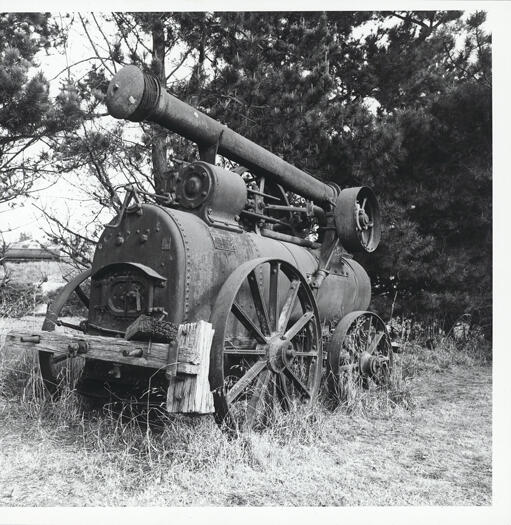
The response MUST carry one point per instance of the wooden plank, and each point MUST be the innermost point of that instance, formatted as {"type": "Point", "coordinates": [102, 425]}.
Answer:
{"type": "Point", "coordinates": [188, 391]}
{"type": "Point", "coordinates": [112, 349]}
{"type": "Point", "coordinates": [191, 394]}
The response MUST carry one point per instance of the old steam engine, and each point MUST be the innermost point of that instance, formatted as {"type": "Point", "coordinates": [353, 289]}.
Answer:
{"type": "Point", "coordinates": [262, 253]}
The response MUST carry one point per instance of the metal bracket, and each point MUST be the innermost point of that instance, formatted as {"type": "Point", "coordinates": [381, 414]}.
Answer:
{"type": "Point", "coordinates": [131, 193]}
{"type": "Point", "coordinates": [31, 339]}
{"type": "Point", "coordinates": [323, 265]}
{"type": "Point", "coordinates": [208, 153]}
{"type": "Point", "coordinates": [78, 348]}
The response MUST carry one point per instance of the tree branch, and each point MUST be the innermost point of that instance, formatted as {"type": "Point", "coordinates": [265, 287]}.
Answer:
{"type": "Point", "coordinates": [93, 45]}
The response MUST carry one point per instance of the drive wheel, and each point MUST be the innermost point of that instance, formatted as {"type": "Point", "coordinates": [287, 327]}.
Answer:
{"type": "Point", "coordinates": [267, 352]}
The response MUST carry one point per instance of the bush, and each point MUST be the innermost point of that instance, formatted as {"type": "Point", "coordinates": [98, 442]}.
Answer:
{"type": "Point", "coordinates": [17, 300]}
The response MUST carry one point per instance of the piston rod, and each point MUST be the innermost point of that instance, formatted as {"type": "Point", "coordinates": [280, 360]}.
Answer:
{"type": "Point", "coordinates": [136, 96]}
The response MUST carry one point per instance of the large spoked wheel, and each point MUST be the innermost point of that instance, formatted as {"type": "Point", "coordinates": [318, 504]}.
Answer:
{"type": "Point", "coordinates": [63, 371]}
{"type": "Point", "coordinates": [267, 352]}
{"type": "Point", "coordinates": [359, 352]}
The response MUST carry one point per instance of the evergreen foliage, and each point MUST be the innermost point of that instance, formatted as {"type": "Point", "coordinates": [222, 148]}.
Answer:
{"type": "Point", "coordinates": [302, 85]}
{"type": "Point", "coordinates": [400, 101]}
{"type": "Point", "coordinates": [28, 116]}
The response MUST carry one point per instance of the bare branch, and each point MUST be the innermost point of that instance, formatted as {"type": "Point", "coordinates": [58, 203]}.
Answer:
{"type": "Point", "coordinates": [93, 45]}
{"type": "Point", "coordinates": [101, 59]}
{"type": "Point", "coordinates": [63, 226]}
{"type": "Point", "coordinates": [105, 39]}
{"type": "Point", "coordinates": [181, 62]}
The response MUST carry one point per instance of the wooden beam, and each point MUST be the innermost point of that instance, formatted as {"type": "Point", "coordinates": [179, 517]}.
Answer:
{"type": "Point", "coordinates": [112, 349]}
{"type": "Point", "coordinates": [186, 360]}
{"type": "Point", "coordinates": [191, 394]}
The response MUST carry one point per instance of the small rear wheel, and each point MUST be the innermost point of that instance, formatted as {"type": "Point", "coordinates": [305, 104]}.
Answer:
{"type": "Point", "coordinates": [359, 353]}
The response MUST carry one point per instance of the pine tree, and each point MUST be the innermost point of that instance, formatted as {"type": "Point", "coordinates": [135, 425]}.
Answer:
{"type": "Point", "coordinates": [27, 114]}
{"type": "Point", "coordinates": [304, 87]}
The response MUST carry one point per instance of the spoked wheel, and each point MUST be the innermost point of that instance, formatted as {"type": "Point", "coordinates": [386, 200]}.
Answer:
{"type": "Point", "coordinates": [359, 351]}
{"type": "Point", "coordinates": [62, 370]}
{"type": "Point", "coordinates": [267, 352]}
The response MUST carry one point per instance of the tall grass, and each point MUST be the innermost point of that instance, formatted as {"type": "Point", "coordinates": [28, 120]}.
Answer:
{"type": "Point", "coordinates": [154, 444]}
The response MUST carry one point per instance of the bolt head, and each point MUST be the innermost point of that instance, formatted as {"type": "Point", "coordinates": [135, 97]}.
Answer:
{"type": "Point", "coordinates": [290, 352]}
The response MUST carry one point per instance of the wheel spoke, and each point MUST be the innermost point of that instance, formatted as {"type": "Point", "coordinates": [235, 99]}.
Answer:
{"type": "Point", "coordinates": [306, 317]}
{"type": "Point", "coordinates": [235, 350]}
{"type": "Point", "coordinates": [257, 404]}
{"type": "Point", "coordinates": [273, 393]}
{"type": "Point", "coordinates": [289, 304]}
{"type": "Point", "coordinates": [245, 320]}
{"type": "Point", "coordinates": [283, 391]}
{"type": "Point", "coordinates": [369, 332]}
{"type": "Point", "coordinates": [297, 382]}
{"type": "Point", "coordinates": [245, 380]}
{"type": "Point", "coordinates": [81, 295]}
{"type": "Point", "coordinates": [375, 342]}
{"type": "Point", "coordinates": [273, 298]}
{"type": "Point", "coordinates": [259, 304]}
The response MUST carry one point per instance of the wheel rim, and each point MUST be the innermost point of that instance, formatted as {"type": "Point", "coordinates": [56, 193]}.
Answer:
{"type": "Point", "coordinates": [266, 351]}
{"type": "Point", "coordinates": [359, 351]}
{"type": "Point", "coordinates": [57, 372]}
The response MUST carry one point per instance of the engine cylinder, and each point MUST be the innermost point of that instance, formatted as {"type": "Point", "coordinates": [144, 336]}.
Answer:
{"type": "Point", "coordinates": [217, 195]}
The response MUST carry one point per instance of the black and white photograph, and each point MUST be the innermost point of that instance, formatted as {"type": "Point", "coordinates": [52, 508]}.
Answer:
{"type": "Point", "coordinates": [246, 258]}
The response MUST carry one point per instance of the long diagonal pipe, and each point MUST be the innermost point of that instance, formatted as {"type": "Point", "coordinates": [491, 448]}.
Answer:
{"type": "Point", "coordinates": [137, 96]}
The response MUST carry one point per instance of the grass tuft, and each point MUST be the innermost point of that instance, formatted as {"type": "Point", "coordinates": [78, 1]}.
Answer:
{"type": "Point", "coordinates": [399, 445]}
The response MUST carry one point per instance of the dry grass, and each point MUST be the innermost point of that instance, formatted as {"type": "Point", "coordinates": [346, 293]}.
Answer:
{"type": "Point", "coordinates": [426, 441]}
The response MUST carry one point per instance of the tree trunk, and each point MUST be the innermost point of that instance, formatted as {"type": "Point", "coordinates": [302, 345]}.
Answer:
{"type": "Point", "coordinates": [159, 142]}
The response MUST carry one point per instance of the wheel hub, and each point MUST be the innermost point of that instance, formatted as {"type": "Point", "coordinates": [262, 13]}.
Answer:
{"type": "Point", "coordinates": [371, 365]}
{"type": "Point", "coordinates": [280, 353]}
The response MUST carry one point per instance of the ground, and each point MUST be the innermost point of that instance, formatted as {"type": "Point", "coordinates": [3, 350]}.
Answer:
{"type": "Point", "coordinates": [429, 445]}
